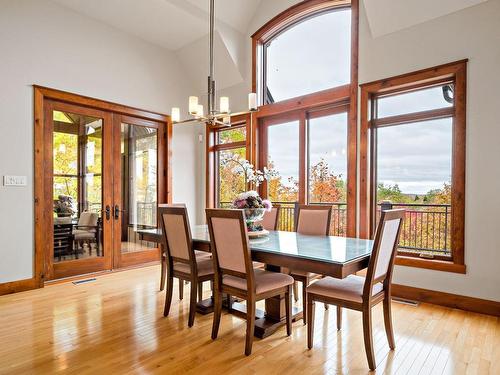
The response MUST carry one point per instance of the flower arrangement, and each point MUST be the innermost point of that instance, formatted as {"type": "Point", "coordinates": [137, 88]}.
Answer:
{"type": "Point", "coordinates": [252, 175]}
{"type": "Point", "coordinates": [63, 206]}
{"type": "Point", "coordinates": [255, 208]}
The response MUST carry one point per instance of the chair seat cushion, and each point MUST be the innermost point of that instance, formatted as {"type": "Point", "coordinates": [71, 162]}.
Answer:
{"type": "Point", "coordinates": [81, 234]}
{"type": "Point", "coordinates": [204, 264]}
{"type": "Point", "coordinates": [264, 281]}
{"type": "Point", "coordinates": [349, 289]}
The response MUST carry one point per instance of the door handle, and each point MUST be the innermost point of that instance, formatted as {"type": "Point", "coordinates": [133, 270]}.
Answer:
{"type": "Point", "coordinates": [108, 212]}
{"type": "Point", "coordinates": [117, 212]}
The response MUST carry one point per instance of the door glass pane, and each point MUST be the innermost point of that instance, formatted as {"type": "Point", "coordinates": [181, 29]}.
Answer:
{"type": "Point", "coordinates": [230, 179]}
{"type": "Point", "coordinates": [139, 176]}
{"type": "Point", "coordinates": [328, 166]}
{"type": "Point", "coordinates": [414, 172]}
{"type": "Point", "coordinates": [77, 188]}
{"type": "Point", "coordinates": [416, 101]}
{"type": "Point", "coordinates": [310, 56]}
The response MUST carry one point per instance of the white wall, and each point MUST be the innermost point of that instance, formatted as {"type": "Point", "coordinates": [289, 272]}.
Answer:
{"type": "Point", "coordinates": [43, 43]}
{"type": "Point", "coordinates": [472, 33]}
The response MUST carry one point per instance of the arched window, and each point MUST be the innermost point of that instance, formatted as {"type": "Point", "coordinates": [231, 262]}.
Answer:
{"type": "Point", "coordinates": [309, 56]}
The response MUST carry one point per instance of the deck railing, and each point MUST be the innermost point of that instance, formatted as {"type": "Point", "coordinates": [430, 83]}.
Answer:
{"type": "Point", "coordinates": [426, 228]}
{"type": "Point", "coordinates": [287, 217]}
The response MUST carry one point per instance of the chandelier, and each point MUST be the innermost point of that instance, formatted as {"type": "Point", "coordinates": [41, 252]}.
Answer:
{"type": "Point", "coordinates": [213, 117]}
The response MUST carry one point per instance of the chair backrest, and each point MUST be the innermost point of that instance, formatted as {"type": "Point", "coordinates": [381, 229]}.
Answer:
{"type": "Point", "coordinates": [384, 249]}
{"type": "Point", "coordinates": [177, 232]}
{"type": "Point", "coordinates": [313, 220]}
{"type": "Point", "coordinates": [88, 219]}
{"type": "Point", "coordinates": [229, 244]}
{"type": "Point", "coordinates": [271, 218]}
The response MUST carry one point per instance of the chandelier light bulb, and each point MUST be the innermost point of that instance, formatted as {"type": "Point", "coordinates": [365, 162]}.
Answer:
{"type": "Point", "coordinates": [199, 111]}
{"type": "Point", "coordinates": [176, 114]}
{"type": "Point", "coordinates": [224, 104]}
{"type": "Point", "coordinates": [193, 104]}
{"type": "Point", "coordinates": [252, 101]}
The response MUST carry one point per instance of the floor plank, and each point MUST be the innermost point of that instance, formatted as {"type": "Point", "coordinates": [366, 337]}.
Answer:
{"type": "Point", "coordinates": [115, 326]}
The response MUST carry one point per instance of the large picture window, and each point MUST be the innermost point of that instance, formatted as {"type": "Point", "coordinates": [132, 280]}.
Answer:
{"type": "Point", "coordinates": [414, 138]}
{"type": "Point", "coordinates": [305, 74]}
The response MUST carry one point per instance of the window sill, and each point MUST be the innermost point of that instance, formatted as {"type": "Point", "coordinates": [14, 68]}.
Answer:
{"type": "Point", "coordinates": [431, 264]}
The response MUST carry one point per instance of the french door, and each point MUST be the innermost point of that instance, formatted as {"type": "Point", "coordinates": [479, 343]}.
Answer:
{"type": "Point", "coordinates": [104, 182]}
{"type": "Point", "coordinates": [137, 160]}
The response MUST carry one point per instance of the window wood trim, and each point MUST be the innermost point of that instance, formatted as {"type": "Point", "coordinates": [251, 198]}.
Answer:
{"type": "Point", "coordinates": [211, 149]}
{"type": "Point", "coordinates": [453, 72]}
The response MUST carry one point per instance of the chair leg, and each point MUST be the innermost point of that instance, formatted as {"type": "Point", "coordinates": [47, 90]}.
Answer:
{"type": "Point", "coordinates": [192, 303]}
{"type": "Point", "coordinates": [181, 289]}
{"type": "Point", "coordinates": [310, 326]}
{"type": "Point", "coordinates": [200, 291]}
{"type": "Point", "coordinates": [339, 318]}
{"type": "Point", "coordinates": [295, 291]}
{"type": "Point", "coordinates": [168, 297]}
{"type": "Point", "coordinates": [304, 302]}
{"type": "Point", "coordinates": [217, 313]}
{"type": "Point", "coordinates": [250, 326]}
{"type": "Point", "coordinates": [163, 272]}
{"type": "Point", "coordinates": [388, 322]}
{"type": "Point", "coordinates": [288, 307]}
{"type": "Point", "coordinates": [367, 334]}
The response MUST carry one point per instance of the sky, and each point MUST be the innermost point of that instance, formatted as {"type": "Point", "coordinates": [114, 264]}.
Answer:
{"type": "Point", "coordinates": [315, 55]}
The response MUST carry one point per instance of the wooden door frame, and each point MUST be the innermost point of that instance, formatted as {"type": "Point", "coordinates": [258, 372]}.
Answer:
{"type": "Point", "coordinates": [43, 161]}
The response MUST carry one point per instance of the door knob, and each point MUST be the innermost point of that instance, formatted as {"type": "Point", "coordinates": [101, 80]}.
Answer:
{"type": "Point", "coordinates": [117, 212]}
{"type": "Point", "coordinates": [108, 212]}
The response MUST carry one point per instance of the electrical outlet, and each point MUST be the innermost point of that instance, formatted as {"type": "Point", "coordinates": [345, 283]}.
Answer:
{"type": "Point", "coordinates": [14, 180]}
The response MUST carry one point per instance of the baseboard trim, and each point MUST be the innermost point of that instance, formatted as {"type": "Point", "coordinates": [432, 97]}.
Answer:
{"type": "Point", "coordinates": [18, 286]}
{"type": "Point", "coordinates": [455, 301]}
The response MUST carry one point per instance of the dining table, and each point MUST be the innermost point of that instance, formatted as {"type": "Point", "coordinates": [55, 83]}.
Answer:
{"type": "Point", "coordinates": [332, 256]}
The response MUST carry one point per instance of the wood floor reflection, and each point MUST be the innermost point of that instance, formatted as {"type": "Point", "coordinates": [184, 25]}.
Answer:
{"type": "Point", "coordinates": [115, 326]}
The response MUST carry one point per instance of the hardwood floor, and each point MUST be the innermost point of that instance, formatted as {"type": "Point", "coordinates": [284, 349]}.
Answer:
{"type": "Point", "coordinates": [115, 326]}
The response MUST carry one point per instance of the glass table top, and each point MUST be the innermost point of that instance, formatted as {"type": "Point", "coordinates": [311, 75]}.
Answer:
{"type": "Point", "coordinates": [324, 248]}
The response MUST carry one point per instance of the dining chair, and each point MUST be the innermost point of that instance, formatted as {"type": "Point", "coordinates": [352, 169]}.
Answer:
{"type": "Point", "coordinates": [269, 222]}
{"type": "Point", "coordinates": [87, 231]}
{"type": "Point", "coordinates": [235, 274]}
{"type": "Point", "coordinates": [271, 218]}
{"type": "Point", "coordinates": [183, 262]}
{"type": "Point", "coordinates": [163, 260]}
{"type": "Point", "coordinates": [313, 220]}
{"type": "Point", "coordinates": [358, 293]}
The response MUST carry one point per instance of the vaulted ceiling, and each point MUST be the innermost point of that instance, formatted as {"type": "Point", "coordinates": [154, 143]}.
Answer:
{"type": "Point", "coordinates": [182, 26]}
{"type": "Point", "coordinates": [171, 24]}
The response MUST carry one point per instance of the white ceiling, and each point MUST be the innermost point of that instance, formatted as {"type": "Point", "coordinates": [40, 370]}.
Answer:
{"type": "Point", "coordinates": [387, 16]}
{"type": "Point", "coordinates": [171, 24]}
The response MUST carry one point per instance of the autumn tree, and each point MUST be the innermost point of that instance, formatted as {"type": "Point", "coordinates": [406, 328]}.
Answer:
{"type": "Point", "coordinates": [325, 185]}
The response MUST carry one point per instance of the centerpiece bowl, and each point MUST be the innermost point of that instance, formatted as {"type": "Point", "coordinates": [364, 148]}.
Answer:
{"type": "Point", "coordinates": [255, 208]}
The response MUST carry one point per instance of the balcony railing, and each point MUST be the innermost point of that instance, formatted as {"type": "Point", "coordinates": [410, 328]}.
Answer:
{"type": "Point", "coordinates": [426, 228]}
{"type": "Point", "coordinates": [286, 222]}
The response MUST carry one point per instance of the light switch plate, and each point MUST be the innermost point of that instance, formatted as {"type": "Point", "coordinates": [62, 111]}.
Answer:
{"type": "Point", "coordinates": [14, 180]}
